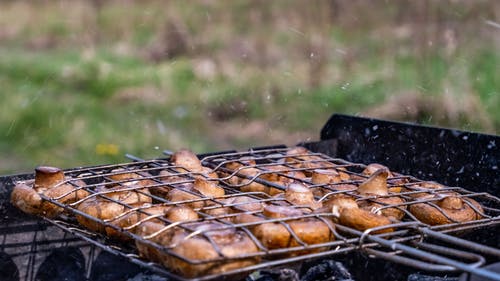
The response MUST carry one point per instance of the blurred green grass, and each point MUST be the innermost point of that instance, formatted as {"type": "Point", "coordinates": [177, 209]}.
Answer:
{"type": "Point", "coordinates": [69, 102]}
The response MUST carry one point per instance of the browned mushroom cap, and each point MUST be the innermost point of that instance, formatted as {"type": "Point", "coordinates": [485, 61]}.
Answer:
{"type": "Point", "coordinates": [26, 198]}
{"type": "Point", "coordinates": [46, 177]}
{"type": "Point", "coordinates": [231, 243]}
{"type": "Point", "coordinates": [208, 189]}
{"type": "Point", "coordinates": [395, 184]}
{"type": "Point", "coordinates": [374, 167]}
{"type": "Point", "coordinates": [130, 217]}
{"type": "Point", "coordinates": [299, 194]}
{"type": "Point", "coordinates": [425, 187]}
{"type": "Point", "coordinates": [201, 189]}
{"type": "Point", "coordinates": [50, 182]}
{"type": "Point", "coordinates": [186, 159]}
{"type": "Point", "coordinates": [189, 162]}
{"type": "Point", "coordinates": [328, 177]}
{"type": "Point", "coordinates": [274, 235]}
{"type": "Point", "coordinates": [447, 203]}
{"type": "Point", "coordinates": [349, 214]}
{"type": "Point", "coordinates": [109, 203]}
{"type": "Point", "coordinates": [186, 194]}
{"type": "Point", "coordinates": [100, 210]}
{"type": "Point", "coordinates": [376, 184]}
{"type": "Point", "coordinates": [250, 185]}
{"type": "Point", "coordinates": [65, 193]}
{"type": "Point", "coordinates": [181, 213]}
{"type": "Point", "coordinates": [125, 195]}
{"type": "Point", "coordinates": [245, 204]}
{"type": "Point", "coordinates": [161, 233]}
{"type": "Point", "coordinates": [300, 157]}
{"type": "Point", "coordinates": [172, 180]}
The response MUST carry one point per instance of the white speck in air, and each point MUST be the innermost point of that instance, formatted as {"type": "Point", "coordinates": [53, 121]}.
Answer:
{"type": "Point", "coordinates": [492, 23]}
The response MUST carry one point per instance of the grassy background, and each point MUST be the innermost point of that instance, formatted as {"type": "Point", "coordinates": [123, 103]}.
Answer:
{"type": "Point", "coordinates": [83, 82]}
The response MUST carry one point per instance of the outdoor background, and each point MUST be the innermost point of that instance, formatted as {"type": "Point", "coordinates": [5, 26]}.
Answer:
{"type": "Point", "coordinates": [84, 82]}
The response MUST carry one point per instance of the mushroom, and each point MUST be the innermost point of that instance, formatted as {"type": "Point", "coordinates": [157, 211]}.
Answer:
{"type": "Point", "coordinates": [348, 213]}
{"type": "Point", "coordinates": [274, 235]}
{"type": "Point", "coordinates": [450, 204]}
{"type": "Point", "coordinates": [201, 251]}
{"type": "Point", "coordinates": [186, 160]}
{"type": "Point", "coordinates": [52, 183]}
{"type": "Point", "coordinates": [395, 184]}
{"type": "Point", "coordinates": [201, 189]}
{"type": "Point", "coordinates": [376, 185]}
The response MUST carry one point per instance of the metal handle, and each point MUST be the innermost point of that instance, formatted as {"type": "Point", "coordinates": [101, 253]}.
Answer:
{"type": "Point", "coordinates": [429, 254]}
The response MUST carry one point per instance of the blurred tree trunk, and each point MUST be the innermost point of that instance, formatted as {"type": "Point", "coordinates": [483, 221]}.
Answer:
{"type": "Point", "coordinates": [97, 6]}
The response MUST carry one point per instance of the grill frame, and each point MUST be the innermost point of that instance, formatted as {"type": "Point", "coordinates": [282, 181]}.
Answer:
{"type": "Point", "coordinates": [366, 241]}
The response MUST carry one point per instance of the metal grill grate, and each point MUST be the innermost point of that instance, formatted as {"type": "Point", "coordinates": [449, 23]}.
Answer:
{"type": "Point", "coordinates": [258, 177]}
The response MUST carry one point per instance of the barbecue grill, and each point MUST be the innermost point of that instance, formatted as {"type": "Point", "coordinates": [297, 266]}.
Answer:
{"type": "Point", "coordinates": [467, 163]}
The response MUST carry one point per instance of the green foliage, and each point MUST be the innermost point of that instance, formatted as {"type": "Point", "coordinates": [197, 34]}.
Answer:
{"type": "Point", "coordinates": [87, 93]}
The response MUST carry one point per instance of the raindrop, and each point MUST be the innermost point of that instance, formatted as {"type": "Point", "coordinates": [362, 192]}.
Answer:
{"type": "Point", "coordinates": [156, 147]}
{"type": "Point", "coordinates": [491, 144]}
{"type": "Point", "coordinates": [344, 87]}
{"type": "Point", "coordinates": [311, 55]}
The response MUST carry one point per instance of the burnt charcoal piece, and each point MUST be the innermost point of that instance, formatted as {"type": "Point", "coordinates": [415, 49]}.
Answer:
{"type": "Point", "coordinates": [8, 269]}
{"type": "Point", "coordinates": [273, 275]}
{"type": "Point", "coordinates": [147, 277]}
{"type": "Point", "coordinates": [108, 267]}
{"type": "Point", "coordinates": [326, 270]}
{"type": "Point", "coordinates": [66, 263]}
{"type": "Point", "coordinates": [421, 277]}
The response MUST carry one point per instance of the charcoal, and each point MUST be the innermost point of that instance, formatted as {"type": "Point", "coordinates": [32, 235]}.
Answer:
{"type": "Point", "coordinates": [326, 270]}
{"type": "Point", "coordinates": [105, 268]}
{"type": "Point", "coordinates": [147, 277]}
{"type": "Point", "coordinates": [63, 264]}
{"type": "Point", "coordinates": [8, 269]}
{"type": "Point", "coordinates": [285, 274]}
{"type": "Point", "coordinates": [421, 277]}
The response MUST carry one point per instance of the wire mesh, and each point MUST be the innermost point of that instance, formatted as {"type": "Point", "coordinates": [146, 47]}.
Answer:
{"type": "Point", "coordinates": [228, 214]}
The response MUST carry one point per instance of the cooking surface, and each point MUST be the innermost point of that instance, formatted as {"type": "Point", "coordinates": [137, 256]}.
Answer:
{"type": "Point", "coordinates": [268, 162]}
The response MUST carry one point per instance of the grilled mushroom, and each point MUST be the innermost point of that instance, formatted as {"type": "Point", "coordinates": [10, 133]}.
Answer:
{"type": "Point", "coordinates": [447, 208]}
{"type": "Point", "coordinates": [274, 235]}
{"type": "Point", "coordinates": [331, 178]}
{"type": "Point", "coordinates": [201, 251]}
{"type": "Point", "coordinates": [109, 203]}
{"type": "Point", "coordinates": [376, 185]}
{"type": "Point", "coordinates": [201, 189]}
{"type": "Point", "coordinates": [299, 194]}
{"type": "Point", "coordinates": [395, 184]}
{"type": "Point", "coordinates": [128, 218]}
{"type": "Point", "coordinates": [349, 214]}
{"type": "Point", "coordinates": [186, 160]}
{"type": "Point", "coordinates": [161, 233]}
{"type": "Point", "coordinates": [50, 182]}
{"type": "Point", "coordinates": [301, 157]}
